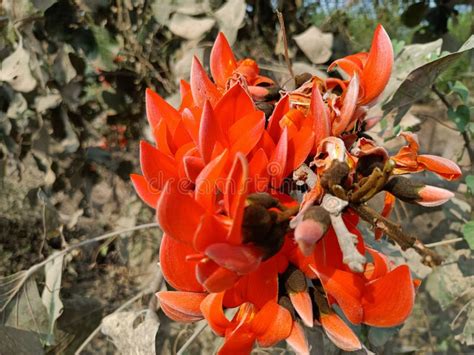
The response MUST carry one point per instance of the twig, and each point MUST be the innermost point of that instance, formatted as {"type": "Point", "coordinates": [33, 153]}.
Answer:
{"type": "Point", "coordinates": [196, 333]}
{"type": "Point", "coordinates": [285, 43]}
{"type": "Point", "coordinates": [394, 232]}
{"type": "Point", "coordinates": [465, 136]}
{"type": "Point", "coordinates": [444, 242]}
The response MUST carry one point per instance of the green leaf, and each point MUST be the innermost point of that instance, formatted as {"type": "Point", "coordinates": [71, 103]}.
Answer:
{"type": "Point", "coordinates": [106, 50]}
{"type": "Point", "coordinates": [468, 232]}
{"type": "Point", "coordinates": [418, 83]}
{"type": "Point", "coordinates": [460, 116]}
{"type": "Point", "coordinates": [460, 89]}
{"type": "Point", "coordinates": [470, 183]}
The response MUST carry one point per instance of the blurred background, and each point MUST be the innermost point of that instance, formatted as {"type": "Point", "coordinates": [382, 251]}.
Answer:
{"type": "Point", "coordinates": [72, 80]}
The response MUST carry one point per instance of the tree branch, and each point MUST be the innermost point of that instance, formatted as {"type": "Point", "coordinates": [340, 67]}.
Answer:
{"type": "Point", "coordinates": [395, 233]}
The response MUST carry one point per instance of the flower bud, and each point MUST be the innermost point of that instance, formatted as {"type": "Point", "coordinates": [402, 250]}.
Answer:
{"type": "Point", "coordinates": [312, 227]}
{"type": "Point", "coordinates": [414, 192]}
{"type": "Point", "coordinates": [335, 175]}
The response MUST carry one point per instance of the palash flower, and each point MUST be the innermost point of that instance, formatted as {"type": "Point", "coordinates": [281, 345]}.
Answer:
{"type": "Point", "coordinates": [409, 161]}
{"type": "Point", "coordinates": [231, 239]}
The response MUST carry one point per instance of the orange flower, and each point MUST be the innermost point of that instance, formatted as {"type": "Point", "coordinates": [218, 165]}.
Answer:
{"type": "Point", "coordinates": [373, 68]}
{"type": "Point", "coordinates": [409, 161]}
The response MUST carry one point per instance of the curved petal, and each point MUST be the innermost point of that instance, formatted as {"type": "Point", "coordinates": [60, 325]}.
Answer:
{"type": "Point", "coordinates": [202, 88]}
{"type": "Point", "coordinates": [322, 124]}
{"type": "Point", "coordinates": [215, 278]}
{"type": "Point", "coordinates": [222, 61]}
{"type": "Point", "coordinates": [351, 64]}
{"type": "Point", "coordinates": [445, 168]}
{"type": "Point", "coordinates": [246, 132]}
{"type": "Point", "coordinates": [157, 167]}
{"type": "Point", "coordinates": [209, 132]}
{"type": "Point", "coordinates": [211, 308]}
{"type": "Point", "coordinates": [178, 272]}
{"type": "Point", "coordinates": [388, 301]}
{"type": "Point", "coordinates": [277, 163]}
{"type": "Point", "coordinates": [178, 213]}
{"type": "Point", "coordinates": [348, 107]}
{"type": "Point", "coordinates": [346, 288]}
{"type": "Point", "coordinates": [282, 107]}
{"type": "Point", "coordinates": [240, 341]}
{"type": "Point", "coordinates": [431, 196]}
{"type": "Point", "coordinates": [182, 306]}
{"type": "Point", "coordinates": [377, 70]}
{"type": "Point", "coordinates": [193, 167]}
{"type": "Point", "coordinates": [302, 303]}
{"type": "Point", "coordinates": [234, 196]}
{"type": "Point", "coordinates": [339, 332]}
{"type": "Point", "coordinates": [158, 109]}
{"type": "Point", "coordinates": [272, 324]}
{"type": "Point", "coordinates": [234, 104]}
{"type": "Point", "coordinates": [147, 193]}
{"type": "Point", "coordinates": [206, 181]}
{"type": "Point", "coordinates": [297, 340]}
{"type": "Point", "coordinates": [241, 259]}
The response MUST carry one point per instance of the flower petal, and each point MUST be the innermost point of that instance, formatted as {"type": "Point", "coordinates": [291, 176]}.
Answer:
{"type": "Point", "coordinates": [445, 168]}
{"type": "Point", "coordinates": [178, 272]}
{"type": "Point", "coordinates": [388, 301]}
{"type": "Point", "coordinates": [211, 308]}
{"type": "Point", "coordinates": [277, 163]}
{"type": "Point", "coordinates": [302, 303]}
{"type": "Point", "coordinates": [282, 107]}
{"type": "Point", "coordinates": [241, 259]}
{"type": "Point", "coordinates": [234, 196]}
{"type": "Point", "coordinates": [246, 132]}
{"type": "Point", "coordinates": [206, 182]}
{"type": "Point", "coordinates": [178, 213]}
{"type": "Point", "coordinates": [222, 61]}
{"type": "Point", "coordinates": [215, 278]}
{"type": "Point", "coordinates": [272, 324]}
{"type": "Point", "coordinates": [202, 88]}
{"type": "Point", "coordinates": [158, 109]}
{"type": "Point", "coordinates": [377, 70]}
{"type": "Point", "coordinates": [348, 107]}
{"type": "Point", "coordinates": [297, 340]}
{"type": "Point", "coordinates": [209, 132]}
{"type": "Point", "coordinates": [147, 193]}
{"type": "Point", "coordinates": [322, 124]}
{"type": "Point", "coordinates": [234, 104]}
{"type": "Point", "coordinates": [157, 167]}
{"type": "Point", "coordinates": [185, 305]}
{"type": "Point", "coordinates": [339, 332]}
{"type": "Point", "coordinates": [431, 196]}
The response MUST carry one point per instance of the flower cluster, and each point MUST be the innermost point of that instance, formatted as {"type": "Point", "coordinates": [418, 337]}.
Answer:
{"type": "Point", "coordinates": [255, 187]}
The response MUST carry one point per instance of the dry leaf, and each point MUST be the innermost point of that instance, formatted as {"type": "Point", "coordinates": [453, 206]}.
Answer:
{"type": "Point", "coordinates": [190, 27]}
{"type": "Point", "coordinates": [130, 339]}
{"type": "Point", "coordinates": [315, 44]}
{"type": "Point", "coordinates": [15, 70]}
{"type": "Point", "coordinates": [229, 17]}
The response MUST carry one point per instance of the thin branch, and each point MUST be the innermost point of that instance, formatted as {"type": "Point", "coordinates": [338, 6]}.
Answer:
{"type": "Point", "coordinates": [285, 43]}
{"type": "Point", "coordinates": [444, 242]}
{"type": "Point", "coordinates": [193, 337]}
{"type": "Point", "coordinates": [465, 136]}
{"type": "Point", "coordinates": [395, 232]}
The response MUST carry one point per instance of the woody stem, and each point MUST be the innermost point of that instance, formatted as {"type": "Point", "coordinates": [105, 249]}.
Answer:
{"type": "Point", "coordinates": [395, 232]}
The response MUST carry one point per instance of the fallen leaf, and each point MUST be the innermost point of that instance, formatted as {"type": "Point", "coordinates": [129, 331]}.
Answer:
{"type": "Point", "coordinates": [130, 339]}
{"type": "Point", "coordinates": [19, 342]}
{"type": "Point", "coordinates": [50, 297]}
{"type": "Point", "coordinates": [229, 18]}
{"type": "Point", "coordinates": [190, 27]}
{"type": "Point", "coordinates": [15, 70]}
{"type": "Point", "coordinates": [315, 44]}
